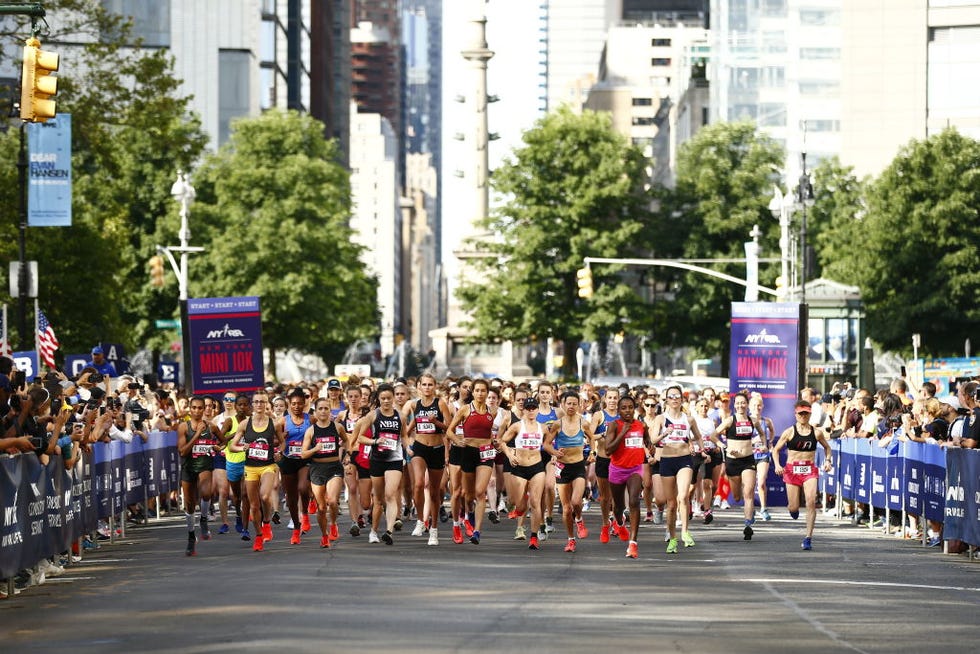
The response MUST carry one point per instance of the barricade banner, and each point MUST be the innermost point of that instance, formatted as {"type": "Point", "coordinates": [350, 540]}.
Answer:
{"type": "Point", "coordinates": [848, 462]}
{"type": "Point", "coordinates": [862, 470]}
{"type": "Point", "coordinates": [895, 482]}
{"type": "Point", "coordinates": [934, 498]}
{"type": "Point", "coordinates": [12, 472]}
{"type": "Point", "coordinates": [828, 480]}
{"type": "Point", "coordinates": [914, 476]}
{"type": "Point", "coordinates": [879, 473]}
{"type": "Point", "coordinates": [962, 521]}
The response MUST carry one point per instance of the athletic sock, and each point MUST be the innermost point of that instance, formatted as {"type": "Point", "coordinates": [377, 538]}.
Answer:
{"type": "Point", "coordinates": [205, 508]}
{"type": "Point", "coordinates": [189, 517]}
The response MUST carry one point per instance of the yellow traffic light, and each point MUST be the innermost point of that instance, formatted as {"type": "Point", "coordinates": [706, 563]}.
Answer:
{"type": "Point", "coordinates": [36, 83]}
{"type": "Point", "coordinates": [156, 271]}
{"type": "Point", "coordinates": [584, 276]}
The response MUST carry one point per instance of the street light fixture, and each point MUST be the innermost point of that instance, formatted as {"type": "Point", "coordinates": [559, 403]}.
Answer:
{"type": "Point", "coordinates": [184, 193]}
{"type": "Point", "coordinates": [805, 199]}
{"type": "Point", "coordinates": [782, 207]}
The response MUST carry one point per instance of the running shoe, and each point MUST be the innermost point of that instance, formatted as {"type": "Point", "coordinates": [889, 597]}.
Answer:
{"type": "Point", "coordinates": [623, 532]}
{"type": "Point", "coordinates": [387, 539]}
{"type": "Point", "coordinates": [295, 540]}
{"type": "Point", "coordinates": [747, 532]}
{"type": "Point", "coordinates": [361, 522]}
{"type": "Point", "coordinates": [443, 514]}
{"type": "Point", "coordinates": [493, 517]}
{"type": "Point", "coordinates": [631, 550]}
{"type": "Point", "coordinates": [549, 525]}
{"type": "Point", "coordinates": [457, 534]}
{"type": "Point", "coordinates": [245, 535]}
{"type": "Point", "coordinates": [475, 538]}
{"type": "Point", "coordinates": [224, 529]}
{"type": "Point", "coordinates": [649, 517]}
{"type": "Point", "coordinates": [334, 532]}
{"type": "Point", "coordinates": [239, 527]}
{"type": "Point", "coordinates": [604, 534]}
{"type": "Point", "coordinates": [419, 528]}
{"type": "Point", "coordinates": [275, 517]}
{"type": "Point", "coordinates": [687, 538]}
{"type": "Point", "coordinates": [312, 506]}
{"type": "Point", "coordinates": [807, 545]}
{"type": "Point", "coordinates": [191, 542]}
{"type": "Point", "coordinates": [765, 515]}
{"type": "Point", "coordinates": [570, 545]}
{"type": "Point", "coordinates": [717, 502]}
{"type": "Point", "coordinates": [355, 530]}
{"type": "Point", "coordinates": [398, 524]}
{"type": "Point", "coordinates": [304, 523]}
{"type": "Point", "coordinates": [658, 517]}
{"type": "Point", "coordinates": [708, 517]}
{"type": "Point", "coordinates": [373, 537]}
{"type": "Point", "coordinates": [266, 531]}
{"type": "Point", "coordinates": [533, 543]}
{"type": "Point", "coordinates": [586, 505]}
{"type": "Point", "coordinates": [469, 527]}
{"type": "Point", "coordinates": [935, 541]}
{"type": "Point", "coordinates": [324, 541]}
{"type": "Point", "coordinates": [205, 530]}
{"type": "Point", "coordinates": [520, 533]}
{"type": "Point", "coordinates": [515, 514]}
{"type": "Point", "coordinates": [433, 536]}
{"type": "Point", "coordinates": [257, 544]}
{"type": "Point", "coordinates": [542, 533]}
{"type": "Point", "coordinates": [290, 526]}
{"type": "Point", "coordinates": [725, 505]}
{"type": "Point", "coordinates": [672, 546]}
{"type": "Point", "coordinates": [580, 530]}
{"type": "Point", "coordinates": [794, 514]}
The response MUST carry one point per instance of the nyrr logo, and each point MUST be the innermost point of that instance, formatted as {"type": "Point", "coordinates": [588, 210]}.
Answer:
{"type": "Point", "coordinates": [955, 493]}
{"type": "Point", "coordinates": [225, 332]}
{"type": "Point", "coordinates": [763, 337]}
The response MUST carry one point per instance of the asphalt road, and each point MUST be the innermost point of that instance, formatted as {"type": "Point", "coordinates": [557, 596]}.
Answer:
{"type": "Point", "coordinates": [857, 591]}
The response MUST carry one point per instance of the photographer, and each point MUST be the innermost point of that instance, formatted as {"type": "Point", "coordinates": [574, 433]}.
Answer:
{"type": "Point", "coordinates": [960, 427]}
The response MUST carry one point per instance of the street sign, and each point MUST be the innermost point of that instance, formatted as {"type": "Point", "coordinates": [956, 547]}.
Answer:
{"type": "Point", "coordinates": [169, 323]}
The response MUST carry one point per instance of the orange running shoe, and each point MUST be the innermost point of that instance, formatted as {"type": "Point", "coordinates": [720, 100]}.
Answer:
{"type": "Point", "coordinates": [257, 544]}
{"type": "Point", "coordinates": [334, 532]}
{"type": "Point", "coordinates": [581, 530]}
{"type": "Point", "coordinates": [469, 528]}
{"type": "Point", "coordinates": [266, 531]}
{"type": "Point", "coordinates": [457, 534]}
{"type": "Point", "coordinates": [295, 539]}
{"type": "Point", "coordinates": [570, 545]}
{"type": "Point", "coordinates": [304, 523]}
{"type": "Point", "coordinates": [604, 534]}
{"type": "Point", "coordinates": [515, 514]}
{"type": "Point", "coordinates": [623, 531]}
{"type": "Point", "coordinates": [533, 543]}
{"type": "Point", "coordinates": [631, 550]}
{"type": "Point", "coordinates": [312, 506]}
{"type": "Point", "coordinates": [325, 541]}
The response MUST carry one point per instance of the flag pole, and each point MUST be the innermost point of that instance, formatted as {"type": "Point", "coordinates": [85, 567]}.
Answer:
{"type": "Point", "coordinates": [37, 350]}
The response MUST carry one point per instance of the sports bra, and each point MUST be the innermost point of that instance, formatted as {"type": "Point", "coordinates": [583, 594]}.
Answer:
{"type": "Point", "coordinates": [740, 430]}
{"type": "Point", "coordinates": [802, 442]}
{"type": "Point", "coordinates": [570, 440]}
{"type": "Point", "coordinates": [676, 433]}
{"type": "Point", "coordinates": [529, 440]}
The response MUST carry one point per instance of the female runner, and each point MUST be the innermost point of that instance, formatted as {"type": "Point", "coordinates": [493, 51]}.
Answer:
{"type": "Point", "coordinates": [322, 444]}
{"type": "Point", "coordinates": [357, 475]}
{"type": "Point", "coordinates": [740, 459]}
{"type": "Point", "coordinates": [501, 420]}
{"type": "Point", "coordinates": [477, 457]}
{"type": "Point", "coordinates": [711, 454]}
{"type": "Point", "coordinates": [522, 443]}
{"type": "Point", "coordinates": [293, 467]}
{"type": "Point", "coordinates": [600, 423]}
{"type": "Point", "coordinates": [566, 441]}
{"type": "Point", "coordinates": [427, 417]}
{"type": "Point", "coordinates": [627, 443]}
{"type": "Point", "coordinates": [761, 442]}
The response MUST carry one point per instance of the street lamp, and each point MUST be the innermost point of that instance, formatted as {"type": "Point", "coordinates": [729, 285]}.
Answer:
{"type": "Point", "coordinates": [805, 199]}
{"type": "Point", "coordinates": [782, 208]}
{"type": "Point", "coordinates": [184, 193]}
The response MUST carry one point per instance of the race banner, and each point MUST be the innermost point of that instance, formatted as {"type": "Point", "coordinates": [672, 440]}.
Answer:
{"type": "Point", "coordinates": [765, 358]}
{"type": "Point", "coordinates": [895, 482]}
{"type": "Point", "coordinates": [49, 172]}
{"type": "Point", "coordinates": [225, 336]}
{"type": "Point", "coordinates": [962, 520]}
{"type": "Point", "coordinates": [879, 473]}
{"type": "Point", "coordinates": [934, 486]}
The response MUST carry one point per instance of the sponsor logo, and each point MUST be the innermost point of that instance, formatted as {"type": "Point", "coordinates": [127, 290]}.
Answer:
{"type": "Point", "coordinates": [225, 332]}
{"type": "Point", "coordinates": [763, 337]}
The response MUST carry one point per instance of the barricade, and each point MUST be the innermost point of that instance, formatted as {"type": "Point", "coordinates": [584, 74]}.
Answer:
{"type": "Point", "coordinates": [46, 508]}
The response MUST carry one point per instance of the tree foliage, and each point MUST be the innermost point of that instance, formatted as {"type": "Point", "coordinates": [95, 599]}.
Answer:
{"type": "Point", "coordinates": [574, 189]}
{"type": "Point", "coordinates": [273, 205]}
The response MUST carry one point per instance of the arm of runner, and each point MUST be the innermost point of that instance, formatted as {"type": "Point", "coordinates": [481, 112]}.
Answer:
{"type": "Point", "coordinates": [309, 449]}
{"type": "Point", "coordinates": [236, 441]}
{"type": "Point", "coordinates": [783, 439]}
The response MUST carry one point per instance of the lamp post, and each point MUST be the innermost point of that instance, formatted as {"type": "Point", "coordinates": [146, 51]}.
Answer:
{"type": "Point", "coordinates": [805, 198]}
{"type": "Point", "coordinates": [184, 193]}
{"type": "Point", "coordinates": [782, 208]}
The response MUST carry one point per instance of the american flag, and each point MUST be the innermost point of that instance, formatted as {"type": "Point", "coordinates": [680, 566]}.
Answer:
{"type": "Point", "coordinates": [47, 342]}
{"type": "Point", "coordinates": [5, 350]}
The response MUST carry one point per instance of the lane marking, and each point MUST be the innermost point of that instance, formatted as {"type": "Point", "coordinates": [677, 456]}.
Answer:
{"type": "Point", "coordinates": [806, 617]}
{"type": "Point", "coordinates": [884, 584]}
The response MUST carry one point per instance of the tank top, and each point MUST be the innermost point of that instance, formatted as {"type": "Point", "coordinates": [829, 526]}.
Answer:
{"type": "Point", "coordinates": [387, 432]}
{"type": "Point", "coordinates": [424, 415]}
{"type": "Point", "coordinates": [294, 435]}
{"type": "Point", "coordinates": [802, 442]}
{"type": "Point", "coordinates": [570, 440]}
{"type": "Point", "coordinates": [740, 430]}
{"type": "Point", "coordinates": [336, 412]}
{"type": "Point", "coordinates": [259, 444]}
{"type": "Point", "coordinates": [706, 426]}
{"type": "Point", "coordinates": [676, 433]}
{"type": "Point", "coordinates": [529, 440]}
{"type": "Point", "coordinates": [327, 441]}
{"type": "Point", "coordinates": [478, 425]}
{"type": "Point", "coordinates": [232, 457]}
{"type": "Point", "coordinates": [497, 421]}
{"type": "Point", "coordinates": [630, 452]}
{"type": "Point", "coordinates": [606, 419]}
{"type": "Point", "coordinates": [545, 418]}
{"type": "Point", "coordinates": [204, 445]}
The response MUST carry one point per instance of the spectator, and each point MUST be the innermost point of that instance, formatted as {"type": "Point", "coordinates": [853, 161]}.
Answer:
{"type": "Point", "coordinates": [100, 363]}
{"type": "Point", "coordinates": [966, 396]}
{"type": "Point", "coordinates": [927, 390]}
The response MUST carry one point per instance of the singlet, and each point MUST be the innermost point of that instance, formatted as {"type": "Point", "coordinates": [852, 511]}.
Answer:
{"type": "Point", "coordinates": [294, 435]}
{"type": "Point", "coordinates": [478, 425]}
{"type": "Point", "coordinates": [802, 442]}
{"type": "Point", "coordinates": [424, 415]}
{"type": "Point", "coordinates": [259, 444]}
{"type": "Point", "coordinates": [336, 412]}
{"type": "Point", "coordinates": [545, 418]}
{"type": "Point", "coordinates": [569, 440]}
{"type": "Point", "coordinates": [630, 452]}
{"type": "Point", "coordinates": [529, 440]}
{"type": "Point", "coordinates": [606, 419]}
{"type": "Point", "coordinates": [706, 426]}
{"type": "Point", "coordinates": [740, 430]}
{"type": "Point", "coordinates": [387, 432]}
{"type": "Point", "coordinates": [676, 433]}
{"type": "Point", "coordinates": [497, 421]}
{"type": "Point", "coordinates": [232, 457]}
{"type": "Point", "coordinates": [204, 445]}
{"type": "Point", "coordinates": [327, 441]}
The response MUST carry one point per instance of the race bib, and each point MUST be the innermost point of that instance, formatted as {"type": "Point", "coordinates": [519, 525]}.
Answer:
{"type": "Point", "coordinates": [293, 451]}
{"type": "Point", "coordinates": [201, 449]}
{"type": "Point", "coordinates": [487, 452]}
{"type": "Point", "coordinates": [327, 445]}
{"type": "Point", "coordinates": [258, 453]}
{"type": "Point", "coordinates": [531, 442]}
{"type": "Point", "coordinates": [424, 425]}
{"type": "Point", "coordinates": [743, 430]}
{"type": "Point", "coordinates": [387, 442]}
{"type": "Point", "coordinates": [633, 442]}
{"type": "Point", "coordinates": [558, 468]}
{"type": "Point", "coordinates": [802, 469]}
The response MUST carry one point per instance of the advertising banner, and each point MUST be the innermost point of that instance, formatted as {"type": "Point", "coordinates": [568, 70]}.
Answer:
{"type": "Point", "coordinates": [962, 521]}
{"type": "Point", "coordinates": [225, 351]}
{"type": "Point", "coordinates": [765, 358]}
{"type": "Point", "coordinates": [49, 172]}
{"type": "Point", "coordinates": [879, 473]}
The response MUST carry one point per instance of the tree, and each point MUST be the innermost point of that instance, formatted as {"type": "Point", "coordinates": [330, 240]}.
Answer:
{"type": "Point", "coordinates": [574, 189]}
{"type": "Point", "coordinates": [725, 177]}
{"type": "Point", "coordinates": [273, 205]}
{"type": "Point", "coordinates": [914, 252]}
{"type": "Point", "coordinates": [834, 225]}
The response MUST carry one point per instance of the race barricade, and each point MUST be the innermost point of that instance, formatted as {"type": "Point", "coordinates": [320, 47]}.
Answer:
{"type": "Point", "coordinates": [962, 511]}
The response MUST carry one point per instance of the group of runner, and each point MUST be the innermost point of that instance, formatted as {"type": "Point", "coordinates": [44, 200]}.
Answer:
{"type": "Point", "coordinates": [476, 443]}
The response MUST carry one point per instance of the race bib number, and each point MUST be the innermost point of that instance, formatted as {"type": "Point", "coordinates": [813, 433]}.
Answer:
{"type": "Point", "coordinates": [366, 449]}
{"type": "Point", "coordinates": [531, 442]}
{"type": "Point", "coordinates": [743, 430]}
{"type": "Point", "coordinates": [387, 443]}
{"type": "Point", "coordinates": [802, 469]}
{"type": "Point", "coordinates": [327, 445]}
{"type": "Point", "coordinates": [258, 453]}
{"type": "Point", "coordinates": [633, 442]}
{"type": "Point", "coordinates": [487, 452]}
{"type": "Point", "coordinates": [558, 468]}
{"type": "Point", "coordinates": [293, 451]}
{"type": "Point", "coordinates": [201, 449]}
{"type": "Point", "coordinates": [424, 425]}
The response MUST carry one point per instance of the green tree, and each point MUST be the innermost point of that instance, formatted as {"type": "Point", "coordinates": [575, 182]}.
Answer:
{"type": "Point", "coordinates": [273, 205]}
{"type": "Point", "coordinates": [725, 177]}
{"type": "Point", "coordinates": [834, 225]}
{"type": "Point", "coordinates": [914, 251]}
{"type": "Point", "coordinates": [574, 189]}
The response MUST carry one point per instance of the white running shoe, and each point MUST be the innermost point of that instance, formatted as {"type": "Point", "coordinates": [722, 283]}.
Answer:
{"type": "Point", "coordinates": [725, 504]}
{"type": "Point", "coordinates": [419, 528]}
{"type": "Point", "coordinates": [658, 517]}
{"type": "Point", "coordinates": [290, 525]}
{"type": "Point", "coordinates": [433, 536]}
{"type": "Point", "coordinates": [586, 505]}
{"type": "Point", "coordinates": [717, 502]}
{"type": "Point", "coordinates": [373, 537]}
{"type": "Point", "coordinates": [50, 569]}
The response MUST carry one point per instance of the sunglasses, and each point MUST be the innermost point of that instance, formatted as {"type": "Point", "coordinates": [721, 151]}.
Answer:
{"type": "Point", "coordinates": [673, 397]}
{"type": "Point", "coordinates": [229, 399]}
{"type": "Point", "coordinates": [649, 405]}
{"type": "Point", "coordinates": [802, 413]}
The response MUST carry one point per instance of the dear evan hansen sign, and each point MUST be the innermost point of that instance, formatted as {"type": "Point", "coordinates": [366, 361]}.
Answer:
{"type": "Point", "coordinates": [49, 173]}
{"type": "Point", "coordinates": [225, 337]}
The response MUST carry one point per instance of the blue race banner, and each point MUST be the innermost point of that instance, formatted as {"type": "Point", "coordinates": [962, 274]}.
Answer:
{"type": "Point", "coordinates": [846, 470]}
{"type": "Point", "coordinates": [895, 481]}
{"type": "Point", "coordinates": [49, 172]}
{"type": "Point", "coordinates": [914, 476]}
{"type": "Point", "coordinates": [74, 363]}
{"type": "Point", "coordinates": [168, 372]}
{"type": "Point", "coordinates": [862, 470]}
{"type": "Point", "coordinates": [879, 473]}
{"type": "Point", "coordinates": [225, 344]}
{"type": "Point", "coordinates": [962, 521]}
{"type": "Point", "coordinates": [934, 498]}
{"type": "Point", "coordinates": [27, 363]}
{"type": "Point", "coordinates": [765, 359]}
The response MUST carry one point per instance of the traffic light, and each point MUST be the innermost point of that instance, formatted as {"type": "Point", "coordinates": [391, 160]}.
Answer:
{"type": "Point", "coordinates": [584, 276]}
{"type": "Point", "coordinates": [156, 271]}
{"type": "Point", "coordinates": [36, 83]}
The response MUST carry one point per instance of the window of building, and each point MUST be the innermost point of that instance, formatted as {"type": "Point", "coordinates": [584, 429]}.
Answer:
{"type": "Point", "coordinates": [643, 120]}
{"type": "Point", "coordinates": [772, 114]}
{"type": "Point", "coordinates": [830, 54]}
{"type": "Point", "coordinates": [660, 43]}
{"type": "Point", "coordinates": [660, 61]}
{"type": "Point", "coordinates": [819, 17]}
{"type": "Point", "coordinates": [642, 102]}
{"type": "Point", "coordinates": [819, 87]}
{"type": "Point", "coordinates": [773, 77]}
{"type": "Point", "coordinates": [233, 89]}
{"type": "Point", "coordinates": [151, 20]}
{"type": "Point", "coordinates": [774, 8]}
{"type": "Point", "coordinates": [822, 125]}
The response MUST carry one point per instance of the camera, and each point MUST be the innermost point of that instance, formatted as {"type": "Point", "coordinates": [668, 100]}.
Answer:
{"type": "Point", "coordinates": [139, 412]}
{"type": "Point", "coordinates": [134, 386]}
{"type": "Point", "coordinates": [894, 421]}
{"type": "Point", "coordinates": [835, 397]}
{"type": "Point", "coordinates": [96, 378]}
